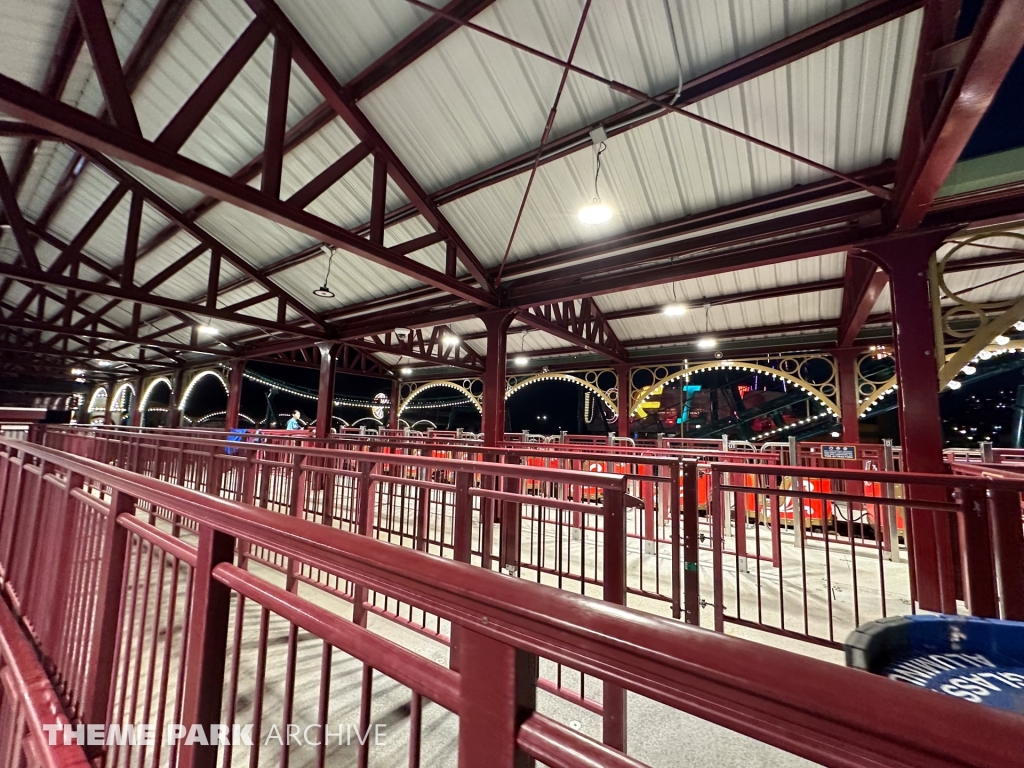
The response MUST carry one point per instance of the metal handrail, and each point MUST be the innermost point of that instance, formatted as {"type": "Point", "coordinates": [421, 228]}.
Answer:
{"type": "Point", "coordinates": [818, 710]}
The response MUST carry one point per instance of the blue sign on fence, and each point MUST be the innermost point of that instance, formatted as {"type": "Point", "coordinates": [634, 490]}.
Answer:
{"type": "Point", "coordinates": [839, 452]}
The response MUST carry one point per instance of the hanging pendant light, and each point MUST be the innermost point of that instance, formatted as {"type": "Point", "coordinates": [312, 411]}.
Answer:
{"type": "Point", "coordinates": [708, 341]}
{"type": "Point", "coordinates": [596, 212]}
{"type": "Point", "coordinates": [323, 291]}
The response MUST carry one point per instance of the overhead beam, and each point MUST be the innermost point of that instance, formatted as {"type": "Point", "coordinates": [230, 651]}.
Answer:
{"type": "Point", "coordinates": [864, 283]}
{"type": "Point", "coordinates": [107, 65]}
{"type": "Point", "coordinates": [995, 43]}
{"type": "Point", "coordinates": [344, 104]}
{"type": "Point", "coordinates": [584, 326]}
{"type": "Point", "coordinates": [429, 346]}
{"type": "Point", "coordinates": [138, 296]}
{"type": "Point", "coordinates": [78, 127]}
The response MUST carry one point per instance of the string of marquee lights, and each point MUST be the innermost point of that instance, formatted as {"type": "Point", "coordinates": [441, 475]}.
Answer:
{"type": "Point", "coordinates": [733, 365]}
{"type": "Point", "coordinates": [786, 427]}
{"type": "Point", "coordinates": [216, 414]}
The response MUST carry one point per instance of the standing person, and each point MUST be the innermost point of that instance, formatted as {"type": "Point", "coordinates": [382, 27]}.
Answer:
{"type": "Point", "coordinates": [293, 422]}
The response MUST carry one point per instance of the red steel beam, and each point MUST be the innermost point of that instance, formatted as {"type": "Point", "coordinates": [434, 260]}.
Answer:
{"type": "Point", "coordinates": [80, 128]}
{"type": "Point", "coordinates": [344, 104]}
{"type": "Point", "coordinates": [864, 283]}
{"type": "Point", "coordinates": [996, 41]}
{"type": "Point", "coordinates": [107, 65]}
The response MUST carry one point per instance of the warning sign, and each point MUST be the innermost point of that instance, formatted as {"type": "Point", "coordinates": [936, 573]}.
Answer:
{"type": "Point", "coordinates": [839, 452]}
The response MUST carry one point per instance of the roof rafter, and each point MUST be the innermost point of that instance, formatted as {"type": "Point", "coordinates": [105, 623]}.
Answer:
{"type": "Point", "coordinates": [936, 143]}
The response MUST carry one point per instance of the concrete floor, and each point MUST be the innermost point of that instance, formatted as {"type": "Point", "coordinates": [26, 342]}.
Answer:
{"type": "Point", "coordinates": [657, 735]}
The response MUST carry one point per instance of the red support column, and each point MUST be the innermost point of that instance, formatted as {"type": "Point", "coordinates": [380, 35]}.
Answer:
{"type": "Point", "coordinates": [234, 394]}
{"type": "Point", "coordinates": [846, 371]}
{"type": "Point", "coordinates": [110, 385]}
{"type": "Point", "coordinates": [134, 415]}
{"type": "Point", "coordinates": [173, 420]}
{"type": "Point", "coordinates": [906, 261]}
{"type": "Point", "coordinates": [325, 395]}
{"type": "Point", "coordinates": [497, 324]}
{"type": "Point", "coordinates": [396, 393]}
{"type": "Point", "coordinates": [623, 375]}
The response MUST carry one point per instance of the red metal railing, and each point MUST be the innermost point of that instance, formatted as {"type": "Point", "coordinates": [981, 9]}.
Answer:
{"type": "Point", "coordinates": [242, 642]}
{"type": "Point", "coordinates": [823, 586]}
{"type": "Point", "coordinates": [818, 553]}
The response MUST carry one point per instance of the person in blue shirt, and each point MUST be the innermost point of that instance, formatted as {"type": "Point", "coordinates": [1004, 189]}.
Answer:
{"type": "Point", "coordinates": [293, 422]}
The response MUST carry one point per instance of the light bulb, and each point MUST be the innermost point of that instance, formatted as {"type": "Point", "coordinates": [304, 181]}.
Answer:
{"type": "Point", "coordinates": [1019, 325]}
{"type": "Point", "coordinates": [954, 384]}
{"type": "Point", "coordinates": [1002, 341]}
{"type": "Point", "coordinates": [674, 310]}
{"type": "Point", "coordinates": [969, 369]}
{"type": "Point", "coordinates": [407, 371]}
{"type": "Point", "coordinates": [595, 213]}
{"type": "Point", "coordinates": [707, 343]}
{"type": "Point", "coordinates": [835, 434]}
{"type": "Point", "coordinates": [521, 360]}
{"type": "Point", "coordinates": [208, 329]}
{"type": "Point", "coordinates": [450, 339]}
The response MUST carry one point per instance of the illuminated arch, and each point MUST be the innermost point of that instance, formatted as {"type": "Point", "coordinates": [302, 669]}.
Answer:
{"type": "Point", "coordinates": [449, 384]}
{"type": "Point", "coordinates": [117, 403]}
{"type": "Point", "coordinates": [718, 365]}
{"type": "Point", "coordinates": [369, 419]}
{"type": "Point", "coordinates": [563, 377]}
{"type": "Point", "coordinates": [883, 389]}
{"type": "Point", "coordinates": [149, 391]}
{"type": "Point", "coordinates": [96, 395]}
{"type": "Point", "coordinates": [195, 380]}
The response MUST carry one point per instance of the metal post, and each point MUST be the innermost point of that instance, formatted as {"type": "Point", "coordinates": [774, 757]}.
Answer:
{"type": "Point", "coordinates": [463, 551]}
{"type": "Point", "coordinates": [892, 525]}
{"type": "Point", "coordinates": [614, 699]}
{"type": "Point", "coordinates": [498, 691]}
{"type": "Point", "coordinates": [976, 554]}
{"type": "Point", "coordinates": [691, 545]}
{"type": "Point", "coordinates": [135, 415]}
{"type": "Point", "coordinates": [173, 420]}
{"type": "Point", "coordinates": [846, 367]}
{"type": "Point", "coordinates": [235, 379]}
{"type": "Point", "coordinates": [1008, 550]}
{"type": "Point", "coordinates": [623, 384]}
{"type": "Point", "coordinates": [396, 394]}
{"type": "Point", "coordinates": [101, 675]}
{"type": "Point", "coordinates": [794, 457]}
{"type": "Point", "coordinates": [325, 391]}
{"type": "Point", "coordinates": [987, 455]}
{"type": "Point", "coordinates": [207, 646]}
{"type": "Point", "coordinates": [497, 324]}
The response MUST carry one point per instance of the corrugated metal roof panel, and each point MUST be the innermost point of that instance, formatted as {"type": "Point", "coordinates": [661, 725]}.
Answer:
{"type": "Point", "coordinates": [842, 106]}
{"type": "Point", "coordinates": [473, 101]}
{"type": "Point", "coordinates": [127, 20]}
{"type": "Point", "coordinates": [353, 279]}
{"type": "Point", "coordinates": [25, 54]}
{"type": "Point", "coordinates": [352, 35]}
{"type": "Point", "coordinates": [694, 292]}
